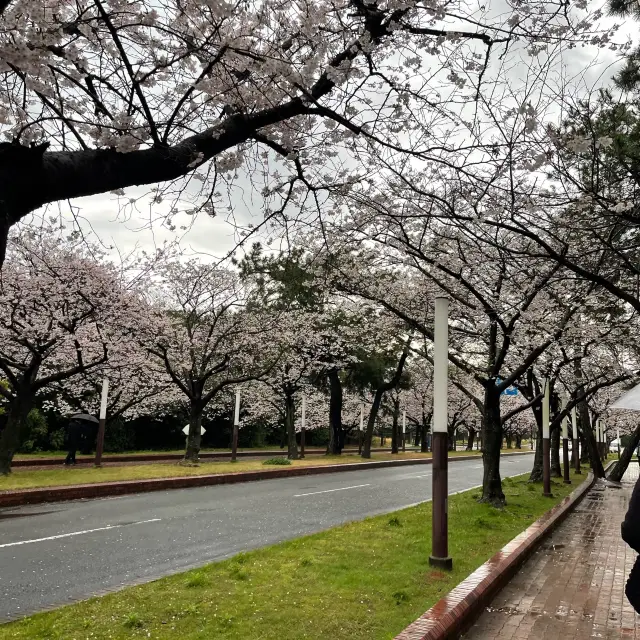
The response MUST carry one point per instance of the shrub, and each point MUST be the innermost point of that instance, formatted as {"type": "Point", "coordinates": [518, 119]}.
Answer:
{"type": "Point", "coordinates": [198, 579]}
{"type": "Point", "coordinates": [133, 621]}
{"type": "Point", "coordinates": [37, 436]}
{"type": "Point", "coordinates": [277, 461]}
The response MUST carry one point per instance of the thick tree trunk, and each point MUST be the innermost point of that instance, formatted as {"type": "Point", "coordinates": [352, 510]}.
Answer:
{"type": "Point", "coordinates": [590, 441]}
{"type": "Point", "coordinates": [13, 433]}
{"type": "Point", "coordinates": [192, 452]}
{"type": "Point", "coordinates": [556, 470]}
{"type": "Point", "coordinates": [536, 472]}
{"type": "Point", "coordinates": [472, 435]}
{"type": "Point", "coordinates": [289, 421]}
{"type": "Point", "coordinates": [509, 440]}
{"type": "Point", "coordinates": [620, 467]}
{"type": "Point", "coordinates": [518, 441]}
{"type": "Point", "coordinates": [371, 421]}
{"type": "Point", "coordinates": [424, 435]}
{"type": "Point", "coordinates": [395, 436]}
{"type": "Point", "coordinates": [335, 413]}
{"type": "Point", "coordinates": [492, 430]}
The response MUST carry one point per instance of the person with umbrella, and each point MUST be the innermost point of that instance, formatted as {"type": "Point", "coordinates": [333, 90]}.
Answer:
{"type": "Point", "coordinates": [76, 429]}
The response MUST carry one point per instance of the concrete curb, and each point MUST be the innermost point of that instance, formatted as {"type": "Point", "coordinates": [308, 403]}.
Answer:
{"type": "Point", "coordinates": [175, 457]}
{"type": "Point", "coordinates": [460, 608]}
{"type": "Point", "coordinates": [104, 489]}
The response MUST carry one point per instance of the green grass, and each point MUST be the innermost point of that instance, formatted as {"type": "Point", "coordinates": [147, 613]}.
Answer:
{"type": "Point", "coordinates": [25, 478]}
{"type": "Point", "coordinates": [364, 580]}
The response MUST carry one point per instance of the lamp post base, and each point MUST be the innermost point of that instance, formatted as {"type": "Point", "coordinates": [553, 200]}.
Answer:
{"type": "Point", "coordinates": [441, 563]}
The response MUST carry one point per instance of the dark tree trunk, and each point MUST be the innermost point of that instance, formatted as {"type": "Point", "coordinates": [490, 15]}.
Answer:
{"type": "Point", "coordinates": [556, 470]}
{"type": "Point", "coordinates": [335, 413]}
{"type": "Point", "coordinates": [13, 434]}
{"type": "Point", "coordinates": [371, 421]}
{"type": "Point", "coordinates": [590, 441]}
{"type": "Point", "coordinates": [472, 435]}
{"type": "Point", "coordinates": [289, 421]}
{"type": "Point", "coordinates": [424, 442]}
{"type": "Point", "coordinates": [536, 472]}
{"type": "Point", "coordinates": [377, 399]}
{"type": "Point", "coordinates": [492, 429]}
{"type": "Point", "coordinates": [585, 421]}
{"type": "Point", "coordinates": [192, 452]}
{"type": "Point", "coordinates": [518, 441]}
{"type": "Point", "coordinates": [621, 465]}
{"type": "Point", "coordinates": [395, 436]}
{"type": "Point", "coordinates": [584, 456]}
{"type": "Point", "coordinates": [509, 440]}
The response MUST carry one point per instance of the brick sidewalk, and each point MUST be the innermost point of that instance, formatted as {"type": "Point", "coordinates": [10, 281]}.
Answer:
{"type": "Point", "coordinates": [572, 588]}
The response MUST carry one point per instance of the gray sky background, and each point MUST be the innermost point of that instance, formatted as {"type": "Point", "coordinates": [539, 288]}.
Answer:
{"type": "Point", "coordinates": [214, 237]}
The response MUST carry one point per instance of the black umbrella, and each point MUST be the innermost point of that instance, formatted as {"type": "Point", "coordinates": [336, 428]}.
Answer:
{"type": "Point", "coordinates": [85, 417]}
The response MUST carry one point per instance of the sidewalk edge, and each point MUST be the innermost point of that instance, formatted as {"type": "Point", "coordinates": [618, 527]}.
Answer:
{"type": "Point", "coordinates": [459, 609]}
{"type": "Point", "coordinates": [105, 489]}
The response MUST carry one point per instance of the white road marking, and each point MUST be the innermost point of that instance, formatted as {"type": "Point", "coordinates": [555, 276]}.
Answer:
{"type": "Point", "coordinates": [426, 475]}
{"type": "Point", "coordinates": [313, 493]}
{"type": "Point", "coordinates": [75, 533]}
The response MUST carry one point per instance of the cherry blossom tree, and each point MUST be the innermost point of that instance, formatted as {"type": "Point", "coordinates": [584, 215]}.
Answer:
{"type": "Point", "coordinates": [61, 311]}
{"type": "Point", "coordinates": [200, 330]}
{"type": "Point", "coordinates": [97, 97]}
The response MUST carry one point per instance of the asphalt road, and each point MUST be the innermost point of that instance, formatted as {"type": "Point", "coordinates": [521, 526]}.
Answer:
{"type": "Point", "coordinates": [54, 554]}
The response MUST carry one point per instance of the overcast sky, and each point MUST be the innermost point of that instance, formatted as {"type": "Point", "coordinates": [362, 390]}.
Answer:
{"type": "Point", "coordinates": [215, 237]}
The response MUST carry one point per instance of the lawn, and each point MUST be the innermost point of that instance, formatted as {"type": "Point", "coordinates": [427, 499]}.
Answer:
{"type": "Point", "coordinates": [24, 478]}
{"type": "Point", "coordinates": [365, 580]}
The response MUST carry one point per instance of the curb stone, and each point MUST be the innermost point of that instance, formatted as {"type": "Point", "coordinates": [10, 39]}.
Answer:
{"type": "Point", "coordinates": [124, 487]}
{"type": "Point", "coordinates": [460, 608]}
{"type": "Point", "coordinates": [173, 457]}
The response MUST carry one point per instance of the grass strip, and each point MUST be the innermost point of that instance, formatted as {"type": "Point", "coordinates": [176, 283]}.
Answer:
{"type": "Point", "coordinates": [367, 579]}
{"type": "Point", "coordinates": [26, 478]}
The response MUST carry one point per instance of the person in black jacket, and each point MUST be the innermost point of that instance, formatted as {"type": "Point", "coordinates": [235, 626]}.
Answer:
{"type": "Point", "coordinates": [631, 535]}
{"type": "Point", "coordinates": [73, 439]}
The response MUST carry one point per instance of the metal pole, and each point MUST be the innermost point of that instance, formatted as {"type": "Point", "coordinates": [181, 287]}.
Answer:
{"type": "Point", "coordinates": [103, 421]}
{"type": "Point", "coordinates": [618, 434]}
{"type": "Point", "coordinates": [546, 444]}
{"type": "Point", "coordinates": [361, 437]}
{"type": "Point", "coordinates": [303, 425]}
{"type": "Point", "coordinates": [565, 443]}
{"type": "Point", "coordinates": [236, 426]}
{"type": "Point", "coordinates": [404, 431]}
{"type": "Point", "coordinates": [440, 486]}
{"type": "Point", "coordinates": [576, 440]}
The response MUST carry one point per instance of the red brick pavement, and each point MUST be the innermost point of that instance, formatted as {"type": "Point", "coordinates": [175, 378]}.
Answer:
{"type": "Point", "coordinates": [572, 588]}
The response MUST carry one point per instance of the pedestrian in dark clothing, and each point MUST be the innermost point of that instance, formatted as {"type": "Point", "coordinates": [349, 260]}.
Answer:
{"type": "Point", "coordinates": [631, 535]}
{"type": "Point", "coordinates": [73, 440]}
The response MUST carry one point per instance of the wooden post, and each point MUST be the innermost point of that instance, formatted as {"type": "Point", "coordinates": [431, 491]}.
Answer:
{"type": "Point", "coordinates": [546, 444]}
{"type": "Point", "coordinates": [440, 484]}
{"type": "Point", "coordinates": [103, 422]}
{"type": "Point", "coordinates": [303, 425]}
{"type": "Point", "coordinates": [576, 440]}
{"type": "Point", "coordinates": [236, 428]}
{"type": "Point", "coordinates": [565, 443]}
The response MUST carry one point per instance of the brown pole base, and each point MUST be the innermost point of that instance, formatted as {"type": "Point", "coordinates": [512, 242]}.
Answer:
{"type": "Point", "coordinates": [546, 467]}
{"type": "Point", "coordinates": [234, 444]}
{"type": "Point", "coordinates": [441, 563]}
{"type": "Point", "coordinates": [439, 503]}
{"type": "Point", "coordinates": [565, 460]}
{"type": "Point", "coordinates": [100, 442]}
